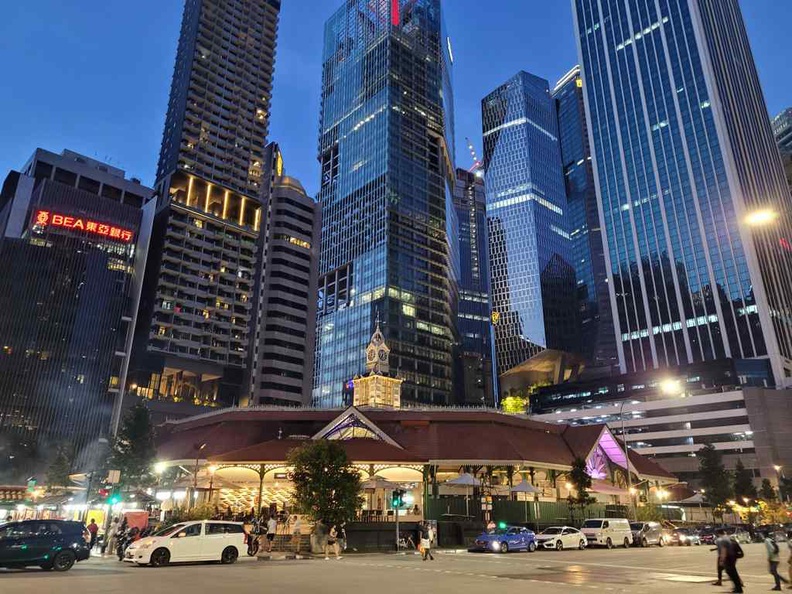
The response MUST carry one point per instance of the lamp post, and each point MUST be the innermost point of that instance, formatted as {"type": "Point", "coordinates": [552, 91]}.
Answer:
{"type": "Point", "coordinates": [780, 477]}
{"type": "Point", "coordinates": [627, 456]}
{"type": "Point", "coordinates": [193, 496]}
{"type": "Point", "coordinates": [212, 470]}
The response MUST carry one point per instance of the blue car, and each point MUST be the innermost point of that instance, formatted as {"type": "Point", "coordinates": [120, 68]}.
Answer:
{"type": "Point", "coordinates": [503, 540]}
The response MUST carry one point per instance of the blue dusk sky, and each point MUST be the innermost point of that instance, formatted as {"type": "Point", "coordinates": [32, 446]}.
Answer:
{"type": "Point", "coordinates": [94, 75]}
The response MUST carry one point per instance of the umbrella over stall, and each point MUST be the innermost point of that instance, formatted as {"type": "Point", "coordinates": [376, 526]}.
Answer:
{"type": "Point", "coordinates": [465, 480]}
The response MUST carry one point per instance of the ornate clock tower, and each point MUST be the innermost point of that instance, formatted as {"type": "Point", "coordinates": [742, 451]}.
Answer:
{"type": "Point", "coordinates": [376, 388]}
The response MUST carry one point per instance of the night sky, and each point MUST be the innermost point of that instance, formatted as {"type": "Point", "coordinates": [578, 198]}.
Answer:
{"type": "Point", "coordinates": [94, 75]}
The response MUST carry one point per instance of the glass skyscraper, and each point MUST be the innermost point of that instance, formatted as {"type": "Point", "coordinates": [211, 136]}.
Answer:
{"type": "Point", "coordinates": [532, 279]}
{"type": "Point", "coordinates": [385, 147]}
{"type": "Point", "coordinates": [597, 339]}
{"type": "Point", "coordinates": [685, 162]}
{"type": "Point", "coordinates": [475, 384]}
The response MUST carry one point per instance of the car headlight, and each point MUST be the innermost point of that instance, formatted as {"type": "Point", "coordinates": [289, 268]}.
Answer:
{"type": "Point", "coordinates": [682, 538]}
{"type": "Point", "coordinates": [146, 544]}
{"type": "Point", "coordinates": [495, 546]}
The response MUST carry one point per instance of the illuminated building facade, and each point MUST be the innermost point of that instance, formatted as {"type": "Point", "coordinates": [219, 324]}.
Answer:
{"type": "Point", "coordinates": [696, 212]}
{"type": "Point", "coordinates": [782, 130]}
{"type": "Point", "coordinates": [194, 330]}
{"type": "Point", "coordinates": [531, 276]}
{"type": "Point", "coordinates": [284, 325]}
{"type": "Point", "coordinates": [474, 374]}
{"type": "Point", "coordinates": [597, 338]}
{"type": "Point", "coordinates": [376, 388]}
{"type": "Point", "coordinates": [73, 236]}
{"type": "Point", "coordinates": [385, 147]}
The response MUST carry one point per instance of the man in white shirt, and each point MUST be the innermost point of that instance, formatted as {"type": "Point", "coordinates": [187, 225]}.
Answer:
{"type": "Point", "coordinates": [272, 529]}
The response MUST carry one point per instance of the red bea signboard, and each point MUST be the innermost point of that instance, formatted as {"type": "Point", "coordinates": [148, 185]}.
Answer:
{"type": "Point", "coordinates": [46, 218]}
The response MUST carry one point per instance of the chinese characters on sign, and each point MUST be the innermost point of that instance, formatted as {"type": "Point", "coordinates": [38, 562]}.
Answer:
{"type": "Point", "coordinates": [45, 218]}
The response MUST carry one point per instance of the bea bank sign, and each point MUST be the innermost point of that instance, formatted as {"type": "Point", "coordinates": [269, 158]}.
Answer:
{"type": "Point", "coordinates": [46, 218]}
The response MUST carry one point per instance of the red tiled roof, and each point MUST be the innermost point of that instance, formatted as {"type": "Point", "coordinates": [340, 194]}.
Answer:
{"type": "Point", "coordinates": [239, 435]}
{"type": "Point", "coordinates": [359, 450]}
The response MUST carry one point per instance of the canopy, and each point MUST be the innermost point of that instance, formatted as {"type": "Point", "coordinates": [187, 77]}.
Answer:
{"type": "Point", "coordinates": [377, 482]}
{"type": "Point", "coordinates": [525, 487]}
{"type": "Point", "coordinates": [698, 498]}
{"type": "Point", "coordinates": [464, 480]}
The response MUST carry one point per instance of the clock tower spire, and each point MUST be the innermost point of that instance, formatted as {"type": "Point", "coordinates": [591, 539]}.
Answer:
{"type": "Point", "coordinates": [377, 388]}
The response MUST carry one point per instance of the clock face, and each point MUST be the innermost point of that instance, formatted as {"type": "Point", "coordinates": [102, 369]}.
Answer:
{"type": "Point", "coordinates": [383, 354]}
{"type": "Point", "coordinates": [372, 354]}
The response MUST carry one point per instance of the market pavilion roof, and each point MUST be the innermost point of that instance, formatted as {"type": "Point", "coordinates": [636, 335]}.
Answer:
{"type": "Point", "coordinates": [443, 437]}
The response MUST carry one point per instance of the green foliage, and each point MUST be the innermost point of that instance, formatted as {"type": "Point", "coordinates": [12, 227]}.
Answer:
{"type": "Point", "coordinates": [714, 478]}
{"type": "Point", "coordinates": [581, 483]}
{"type": "Point", "coordinates": [767, 492]}
{"type": "Point", "coordinates": [205, 511]}
{"type": "Point", "coordinates": [514, 405]}
{"type": "Point", "coordinates": [326, 485]}
{"type": "Point", "coordinates": [61, 467]}
{"type": "Point", "coordinates": [134, 452]}
{"type": "Point", "coordinates": [649, 513]}
{"type": "Point", "coordinates": [744, 487]}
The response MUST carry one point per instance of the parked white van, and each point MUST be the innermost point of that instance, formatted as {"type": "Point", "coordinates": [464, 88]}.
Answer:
{"type": "Point", "coordinates": [608, 532]}
{"type": "Point", "coordinates": [190, 541]}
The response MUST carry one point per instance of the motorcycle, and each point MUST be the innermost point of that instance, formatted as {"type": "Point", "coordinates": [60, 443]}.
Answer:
{"type": "Point", "coordinates": [253, 539]}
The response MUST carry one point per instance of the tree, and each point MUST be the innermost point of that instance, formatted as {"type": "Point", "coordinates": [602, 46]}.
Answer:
{"type": "Point", "coordinates": [326, 485]}
{"type": "Point", "coordinates": [650, 513]}
{"type": "Point", "coordinates": [581, 483]}
{"type": "Point", "coordinates": [766, 491]}
{"type": "Point", "coordinates": [61, 467]}
{"type": "Point", "coordinates": [715, 481]}
{"type": "Point", "coordinates": [514, 405]}
{"type": "Point", "coordinates": [744, 487]}
{"type": "Point", "coordinates": [134, 452]}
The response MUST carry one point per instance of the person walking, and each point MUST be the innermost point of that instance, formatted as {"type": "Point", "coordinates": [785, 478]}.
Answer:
{"type": "Point", "coordinates": [774, 559]}
{"type": "Point", "coordinates": [332, 543]}
{"type": "Point", "coordinates": [296, 534]}
{"type": "Point", "coordinates": [272, 530]}
{"type": "Point", "coordinates": [720, 544]}
{"type": "Point", "coordinates": [731, 553]}
{"type": "Point", "coordinates": [789, 545]}
{"type": "Point", "coordinates": [93, 529]}
{"type": "Point", "coordinates": [426, 541]}
{"type": "Point", "coordinates": [111, 538]}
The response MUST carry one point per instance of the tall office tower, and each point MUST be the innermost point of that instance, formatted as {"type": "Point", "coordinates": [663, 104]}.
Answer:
{"type": "Point", "coordinates": [474, 384]}
{"type": "Point", "coordinates": [193, 336]}
{"type": "Point", "coordinates": [597, 339]}
{"type": "Point", "coordinates": [531, 276]}
{"type": "Point", "coordinates": [782, 130]}
{"type": "Point", "coordinates": [73, 237]}
{"type": "Point", "coordinates": [284, 322]}
{"type": "Point", "coordinates": [385, 147]}
{"type": "Point", "coordinates": [693, 200]}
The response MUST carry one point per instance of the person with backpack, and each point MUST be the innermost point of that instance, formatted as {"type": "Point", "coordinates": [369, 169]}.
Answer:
{"type": "Point", "coordinates": [730, 553]}
{"type": "Point", "coordinates": [774, 559]}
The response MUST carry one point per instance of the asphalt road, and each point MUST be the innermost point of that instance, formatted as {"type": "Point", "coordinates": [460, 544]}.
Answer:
{"type": "Point", "coordinates": [686, 570]}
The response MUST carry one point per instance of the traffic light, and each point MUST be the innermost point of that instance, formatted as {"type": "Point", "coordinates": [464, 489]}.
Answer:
{"type": "Point", "coordinates": [397, 499]}
{"type": "Point", "coordinates": [114, 497]}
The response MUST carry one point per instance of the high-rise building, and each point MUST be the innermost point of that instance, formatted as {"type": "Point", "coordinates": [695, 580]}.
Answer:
{"type": "Point", "coordinates": [73, 238]}
{"type": "Point", "coordinates": [385, 147]}
{"type": "Point", "coordinates": [284, 324]}
{"type": "Point", "coordinates": [532, 278]}
{"type": "Point", "coordinates": [597, 338]}
{"type": "Point", "coordinates": [696, 211]}
{"type": "Point", "coordinates": [474, 375]}
{"type": "Point", "coordinates": [782, 130]}
{"type": "Point", "coordinates": [193, 336]}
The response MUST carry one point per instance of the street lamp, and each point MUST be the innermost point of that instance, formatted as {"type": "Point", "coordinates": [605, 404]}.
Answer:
{"type": "Point", "coordinates": [212, 470]}
{"type": "Point", "coordinates": [627, 457]}
{"type": "Point", "coordinates": [198, 449]}
{"type": "Point", "coordinates": [780, 477]}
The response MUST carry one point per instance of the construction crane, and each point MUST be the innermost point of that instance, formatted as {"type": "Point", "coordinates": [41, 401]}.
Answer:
{"type": "Point", "coordinates": [478, 166]}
